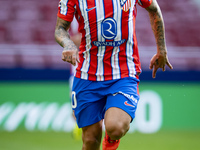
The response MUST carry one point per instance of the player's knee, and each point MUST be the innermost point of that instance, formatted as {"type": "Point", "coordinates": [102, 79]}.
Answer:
{"type": "Point", "coordinates": [115, 134]}
{"type": "Point", "coordinates": [116, 130]}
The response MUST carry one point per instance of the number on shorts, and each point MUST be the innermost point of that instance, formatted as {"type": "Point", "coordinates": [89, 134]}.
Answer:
{"type": "Point", "coordinates": [74, 101]}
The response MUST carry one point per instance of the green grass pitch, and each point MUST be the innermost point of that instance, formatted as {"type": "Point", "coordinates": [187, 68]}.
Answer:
{"type": "Point", "coordinates": [162, 140]}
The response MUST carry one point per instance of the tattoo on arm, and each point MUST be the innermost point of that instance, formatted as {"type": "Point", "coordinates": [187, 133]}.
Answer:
{"type": "Point", "coordinates": [62, 35]}
{"type": "Point", "coordinates": [157, 25]}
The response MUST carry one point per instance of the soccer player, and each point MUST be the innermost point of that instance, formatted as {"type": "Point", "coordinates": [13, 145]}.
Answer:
{"type": "Point", "coordinates": [106, 81]}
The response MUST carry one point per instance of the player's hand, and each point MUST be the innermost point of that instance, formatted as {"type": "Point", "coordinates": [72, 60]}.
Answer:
{"type": "Point", "coordinates": [70, 56]}
{"type": "Point", "coordinates": [159, 61]}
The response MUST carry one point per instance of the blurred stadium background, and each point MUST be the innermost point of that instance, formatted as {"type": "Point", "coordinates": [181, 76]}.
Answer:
{"type": "Point", "coordinates": [35, 110]}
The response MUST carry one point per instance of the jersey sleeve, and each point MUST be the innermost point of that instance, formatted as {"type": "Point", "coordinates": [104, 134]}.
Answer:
{"type": "Point", "coordinates": [145, 3]}
{"type": "Point", "coordinates": [66, 9]}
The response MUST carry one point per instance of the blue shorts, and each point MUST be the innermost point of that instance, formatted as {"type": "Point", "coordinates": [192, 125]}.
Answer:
{"type": "Point", "coordinates": [90, 99]}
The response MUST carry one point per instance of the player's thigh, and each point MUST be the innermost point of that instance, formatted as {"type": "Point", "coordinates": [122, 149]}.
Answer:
{"type": "Point", "coordinates": [122, 103]}
{"type": "Point", "coordinates": [120, 111]}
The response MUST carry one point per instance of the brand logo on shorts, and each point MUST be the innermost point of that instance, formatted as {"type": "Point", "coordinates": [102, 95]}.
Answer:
{"type": "Point", "coordinates": [129, 96]}
{"type": "Point", "coordinates": [127, 104]}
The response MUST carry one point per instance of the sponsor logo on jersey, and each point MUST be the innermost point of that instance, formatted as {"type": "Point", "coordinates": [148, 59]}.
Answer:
{"type": "Point", "coordinates": [109, 28]}
{"type": "Point", "coordinates": [109, 32]}
{"type": "Point", "coordinates": [112, 43]}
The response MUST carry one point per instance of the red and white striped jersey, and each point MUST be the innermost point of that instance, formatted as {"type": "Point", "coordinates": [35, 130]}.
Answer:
{"type": "Point", "coordinates": [108, 47]}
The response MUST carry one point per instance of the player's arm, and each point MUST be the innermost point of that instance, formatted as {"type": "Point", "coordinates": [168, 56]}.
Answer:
{"type": "Point", "coordinates": [160, 59]}
{"type": "Point", "coordinates": [70, 51]}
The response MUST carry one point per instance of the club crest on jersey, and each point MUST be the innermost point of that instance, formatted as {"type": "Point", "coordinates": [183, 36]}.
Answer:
{"type": "Point", "coordinates": [125, 4]}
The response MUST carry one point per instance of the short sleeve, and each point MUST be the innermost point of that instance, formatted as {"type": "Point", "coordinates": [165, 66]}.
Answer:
{"type": "Point", "coordinates": [66, 9]}
{"type": "Point", "coordinates": [144, 3]}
